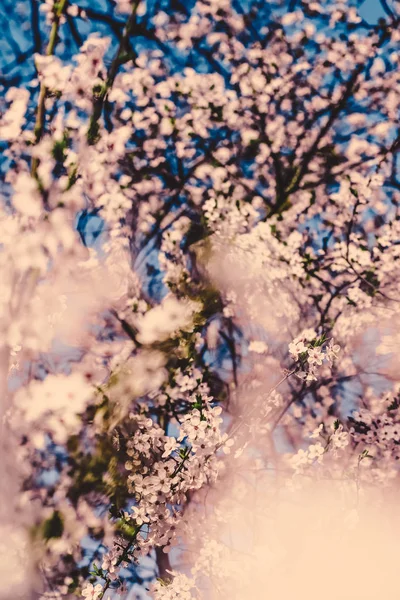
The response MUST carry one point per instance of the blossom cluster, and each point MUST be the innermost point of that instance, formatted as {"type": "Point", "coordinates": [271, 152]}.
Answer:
{"type": "Point", "coordinates": [310, 352]}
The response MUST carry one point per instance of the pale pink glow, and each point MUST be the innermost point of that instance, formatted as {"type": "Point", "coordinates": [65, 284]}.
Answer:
{"type": "Point", "coordinates": [265, 535]}
{"type": "Point", "coordinates": [285, 525]}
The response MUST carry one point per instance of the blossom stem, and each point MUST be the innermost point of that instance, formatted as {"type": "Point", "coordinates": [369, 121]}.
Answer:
{"type": "Point", "coordinates": [41, 109]}
{"type": "Point", "coordinates": [123, 557]}
{"type": "Point", "coordinates": [121, 56]}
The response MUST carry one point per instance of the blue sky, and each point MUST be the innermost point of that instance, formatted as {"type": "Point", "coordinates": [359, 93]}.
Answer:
{"type": "Point", "coordinates": [371, 10]}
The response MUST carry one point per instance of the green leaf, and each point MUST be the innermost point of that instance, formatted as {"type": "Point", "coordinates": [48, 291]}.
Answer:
{"type": "Point", "coordinates": [319, 341]}
{"type": "Point", "coordinates": [54, 526]}
{"type": "Point", "coordinates": [364, 454]}
{"type": "Point", "coordinates": [394, 404]}
{"type": "Point", "coordinates": [351, 302]}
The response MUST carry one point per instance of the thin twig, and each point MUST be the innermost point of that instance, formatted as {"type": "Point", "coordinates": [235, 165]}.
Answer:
{"type": "Point", "coordinates": [40, 115]}
{"type": "Point", "coordinates": [122, 56]}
